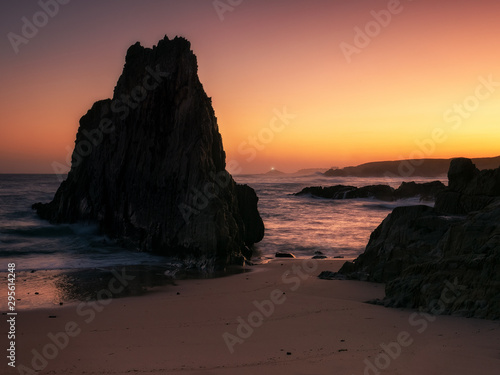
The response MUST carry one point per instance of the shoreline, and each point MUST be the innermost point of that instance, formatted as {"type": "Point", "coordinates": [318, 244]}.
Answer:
{"type": "Point", "coordinates": [278, 319]}
{"type": "Point", "coordinates": [44, 289]}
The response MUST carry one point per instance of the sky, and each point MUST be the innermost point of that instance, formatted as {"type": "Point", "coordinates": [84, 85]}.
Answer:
{"type": "Point", "coordinates": [294, 84]}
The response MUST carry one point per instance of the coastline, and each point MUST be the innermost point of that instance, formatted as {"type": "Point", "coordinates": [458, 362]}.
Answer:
{"type": "Point", "coordinates": [243, 323]}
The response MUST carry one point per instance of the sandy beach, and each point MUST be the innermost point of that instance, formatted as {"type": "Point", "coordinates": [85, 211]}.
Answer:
{"type": "Point", "coordinates": [279, 318]}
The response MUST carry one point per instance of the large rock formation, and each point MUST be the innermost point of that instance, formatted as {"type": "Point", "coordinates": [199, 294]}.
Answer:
{"type": "Point", "coordinates": [444, 259]}
{"type": "Point", "coordinates": [149, 165]}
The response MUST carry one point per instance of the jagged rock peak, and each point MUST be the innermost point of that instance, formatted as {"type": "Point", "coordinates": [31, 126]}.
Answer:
{"type": "Point", "coordinates": [149, 165]}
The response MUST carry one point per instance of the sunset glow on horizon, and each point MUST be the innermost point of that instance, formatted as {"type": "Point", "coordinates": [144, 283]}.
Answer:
{"type": "Point", "coordinates": [285, 93]}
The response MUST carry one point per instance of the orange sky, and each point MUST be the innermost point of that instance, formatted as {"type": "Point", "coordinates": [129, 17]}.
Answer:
{"type": "Point", "coordinates": [424, 73]}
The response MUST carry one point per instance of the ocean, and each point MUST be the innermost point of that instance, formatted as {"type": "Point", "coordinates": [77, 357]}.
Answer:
{"type": "Point", "coordinates": [304, 225]}
{"type": "Point", "coordinates": [60, 254]}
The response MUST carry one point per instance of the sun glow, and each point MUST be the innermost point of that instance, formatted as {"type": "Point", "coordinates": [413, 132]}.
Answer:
{"type": "Point", "coordinates": [389, 99]}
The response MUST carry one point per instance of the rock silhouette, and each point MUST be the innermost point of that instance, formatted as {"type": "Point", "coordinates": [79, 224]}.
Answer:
{"type": "Point", "coordinates": [149, 166]}
{"type": "Point", "coordinates": [424, 191]}
{"type": "Point", "coordinates": [445, 260]}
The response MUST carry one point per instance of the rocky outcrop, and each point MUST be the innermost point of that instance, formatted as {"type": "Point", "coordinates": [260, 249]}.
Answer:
{"type": "Point", "coordinates": [469, 189]}
{"type": "Point", "coordinates": [149, 166]}
{"type": "Point", "coordinates": [331, 192]}
{"type": "Point", "coordinates": [463, 276]}
{"type": "Point", "coordinates": [424, 191]}
{"type": "Point", "coordinates": [253, 226]}
{"type": "Point", "coordinates": [427, 191]}
{"type": "Point", "coordinates": [435, 259]}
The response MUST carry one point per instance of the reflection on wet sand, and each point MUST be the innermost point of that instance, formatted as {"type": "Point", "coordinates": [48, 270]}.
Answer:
{"type": "Point", "coordinates": [42, 289]}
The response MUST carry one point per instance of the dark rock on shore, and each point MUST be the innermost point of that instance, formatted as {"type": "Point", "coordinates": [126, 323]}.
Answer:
{"type": "Point", "coordinates": [253, 224]}
{"type": "Point", "coordinates": [435, 259]}
{"type": "Point", "coordinates": [408, 234]}
{"type": "Point", "coordinates": [424, 191]}
{"type": "Point", "coordinates": [149, 166]}
{"type": "Point", "coordinates": [329, 275]}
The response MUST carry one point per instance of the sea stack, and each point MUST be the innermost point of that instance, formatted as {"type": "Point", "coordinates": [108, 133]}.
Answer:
{"type": "Point", "coordinates": [149, 166]}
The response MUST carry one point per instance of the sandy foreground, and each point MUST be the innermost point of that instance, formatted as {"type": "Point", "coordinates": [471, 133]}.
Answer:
{"type": "Point", "coordinates": [277, 319]}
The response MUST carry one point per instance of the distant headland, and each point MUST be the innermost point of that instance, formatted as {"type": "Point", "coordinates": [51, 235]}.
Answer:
{"type": "Point", "coordinates": [408, 168]}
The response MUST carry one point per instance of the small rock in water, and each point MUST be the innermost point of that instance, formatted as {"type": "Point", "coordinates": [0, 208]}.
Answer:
{"type": "Point", "coordinates": [339, 257]}
{"type": "Point", "coordinates": [284, 255]}
{"type": "Point", "coordinates": [319, 257]}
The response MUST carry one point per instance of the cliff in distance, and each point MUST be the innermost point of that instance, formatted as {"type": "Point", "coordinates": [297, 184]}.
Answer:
{"type": "Point", "coordinates": [149, 166]}
{"type": "Point", "coordinates": [407, 168]}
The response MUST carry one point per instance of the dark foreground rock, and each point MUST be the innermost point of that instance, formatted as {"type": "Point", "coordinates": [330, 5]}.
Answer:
{"type": "Point", "coordinates": [149, 166]}
{"type": "Point", "coordinates": [470, 189]}
{"type": "Point", "coordinates": [435, 259]}
{"type": "Point", "coordinates": [425, 191]}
